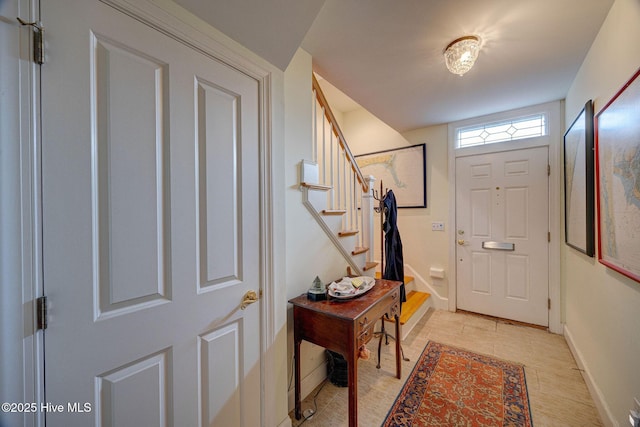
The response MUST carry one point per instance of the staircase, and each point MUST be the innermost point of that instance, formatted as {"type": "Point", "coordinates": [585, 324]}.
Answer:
{"type": "Point", "coordinates": [335, 192]}
{"type": "Point", "coordinates": [339, 197]}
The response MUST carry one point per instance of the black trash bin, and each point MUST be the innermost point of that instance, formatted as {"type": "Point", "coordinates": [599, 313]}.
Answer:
{"type": "Point", "coordinates": [338, 371]}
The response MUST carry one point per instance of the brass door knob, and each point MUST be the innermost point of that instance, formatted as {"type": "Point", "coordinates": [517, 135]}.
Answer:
{"type": "Point", "coordinates": [461, 242]}
{"type": "Point", "coordinates": [249, 298]}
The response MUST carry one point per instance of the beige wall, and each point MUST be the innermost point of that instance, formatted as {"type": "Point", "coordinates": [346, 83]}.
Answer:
{"type": "Point", "coordinates": [427, 248]}
{"type": "Point", "coordinates": [422, 248]}
{"type": "Point", "coordinates": [602, 308]}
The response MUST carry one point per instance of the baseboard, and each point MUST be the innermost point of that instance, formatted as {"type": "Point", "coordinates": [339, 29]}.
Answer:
{"type": "Point", "coordinates": [598, 399]}
{"type": "Point", "coordinates": [436, 301]}
{"type": "Point", "coordinates": [307, 384]}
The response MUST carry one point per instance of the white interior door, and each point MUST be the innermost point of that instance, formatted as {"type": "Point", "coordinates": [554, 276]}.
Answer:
{"type": "Point", "coordinates": [151, 227]}
{"type": "Point", "coordinates": [502, 220]}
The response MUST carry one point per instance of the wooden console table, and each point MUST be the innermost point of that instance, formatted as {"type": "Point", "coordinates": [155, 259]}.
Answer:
{"type": "Point", "coordinates": [344, 326]}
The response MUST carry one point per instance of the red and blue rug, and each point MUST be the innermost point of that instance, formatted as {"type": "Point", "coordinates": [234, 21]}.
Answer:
{"type": "Point", "coordinates": [454, 387]}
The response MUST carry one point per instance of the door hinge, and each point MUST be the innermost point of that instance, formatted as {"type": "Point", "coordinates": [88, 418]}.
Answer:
{"type": "Point", "coordinates": [548, 170]}
{"type": "Point", "coordinates": [548, 236]}
{"type": "Point", "coordinates": [41, 313]}
{"type": "Point", "coordinates": [549, 303]}
{"type": "Point", "coordinates": [38, 40]}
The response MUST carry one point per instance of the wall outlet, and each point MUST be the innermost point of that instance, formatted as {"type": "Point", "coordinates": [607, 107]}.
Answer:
{"type": "Point", "coordinates": [437, 226]}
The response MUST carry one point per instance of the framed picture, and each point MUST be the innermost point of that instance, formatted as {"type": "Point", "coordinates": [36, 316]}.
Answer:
{"type": "Point", "coordinates": [579, 183]}
{"type": "Point", "coordinates": [402, 170]}
{"type": "Point", "coordinates": [618, 178]}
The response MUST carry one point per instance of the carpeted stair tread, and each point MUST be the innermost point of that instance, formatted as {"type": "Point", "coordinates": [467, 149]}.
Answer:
{"type": "Point", "coordinates": [414, 300]}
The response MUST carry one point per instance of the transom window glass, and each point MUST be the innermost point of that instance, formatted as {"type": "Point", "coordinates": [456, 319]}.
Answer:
{"type": "Point", "coordinates": [508, 130]}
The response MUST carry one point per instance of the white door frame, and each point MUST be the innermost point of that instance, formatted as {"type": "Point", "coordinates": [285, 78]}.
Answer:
{"type": "Point", "coordinates": [22, 366]}
{"type": "Point", "coordinates": [554, 142]}
{"type": "Point", "coordinates": [181, 25]}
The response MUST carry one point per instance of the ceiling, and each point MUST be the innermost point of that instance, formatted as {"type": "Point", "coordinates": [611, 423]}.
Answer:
{"type": "Point", "coordinates": [273, 29]}
{"type": "Point", "coordinates": [387, 55]}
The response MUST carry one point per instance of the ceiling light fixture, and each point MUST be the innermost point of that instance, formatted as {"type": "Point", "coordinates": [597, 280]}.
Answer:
{"type": "Point", "coordinates": [461, 54]}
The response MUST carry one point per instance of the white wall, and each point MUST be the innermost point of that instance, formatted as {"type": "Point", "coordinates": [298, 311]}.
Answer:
{"type": "Point", "coordinates": [601, 306]}
{"type": "Point", "coordinates": [309, 253]}
{"type": "Point", "coordinates": [276, 356]}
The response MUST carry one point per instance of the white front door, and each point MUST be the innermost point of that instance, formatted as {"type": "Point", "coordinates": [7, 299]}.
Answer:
{"type": "Point", "coordinates": [502, 224]}
{"type": "Point", "coordinates": [151, 231]}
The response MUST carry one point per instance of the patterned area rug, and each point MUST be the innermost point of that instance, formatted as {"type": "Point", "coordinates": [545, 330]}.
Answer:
{"type": "Point", "coordinates": [454, 387]}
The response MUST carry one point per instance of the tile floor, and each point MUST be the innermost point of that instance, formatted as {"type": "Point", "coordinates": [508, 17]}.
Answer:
{"type": "Point", "coordinates": [557, 392]}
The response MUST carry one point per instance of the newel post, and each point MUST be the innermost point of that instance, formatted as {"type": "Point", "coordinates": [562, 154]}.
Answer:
{"type": "Point", "coordinates": [368, 203]}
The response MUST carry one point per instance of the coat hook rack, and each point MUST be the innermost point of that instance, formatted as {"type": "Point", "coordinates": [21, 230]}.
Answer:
{"type": "Point", "coordinates": [380, 196]}
{"type": "Point", "coordinates": [381, 209]}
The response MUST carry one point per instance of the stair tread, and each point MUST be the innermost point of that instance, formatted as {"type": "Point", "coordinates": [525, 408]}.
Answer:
{"type": "Point", "coordinates": [407, 279]}
{"type": "Point", "coordinates": [367, 266]}
{"type": "Point", "coordinates": [319, 187]}
{"type": "Point", "coordinates": [414, 300]}
{"type": "Point", "coordinates": [347, 233]}
{"type": "Point", "coordinates": [359, 250]}
{"type": "Point", "coordinates": [370, 265]}
{"type": "Point", "coordinates": [333, 212]}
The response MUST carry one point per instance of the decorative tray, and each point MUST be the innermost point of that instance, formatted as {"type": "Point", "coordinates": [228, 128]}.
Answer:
{"type": "Point", "coordinates": [350, 287]}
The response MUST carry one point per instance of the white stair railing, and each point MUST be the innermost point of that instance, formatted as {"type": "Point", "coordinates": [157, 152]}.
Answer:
{"type": "Point", "coordinates": [349, 191]}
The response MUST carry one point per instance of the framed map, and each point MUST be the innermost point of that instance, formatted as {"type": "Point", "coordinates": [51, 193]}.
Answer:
{"type": "Point", "coordinates": [579, 199]}
{"type": "Point", "coordinates": [402, 170]}
{"type": "Point", "coordinates": [618, 177]}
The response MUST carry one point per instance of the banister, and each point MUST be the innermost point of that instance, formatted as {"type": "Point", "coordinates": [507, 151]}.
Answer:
{"type": "Point", "coordinates": [336, 129]}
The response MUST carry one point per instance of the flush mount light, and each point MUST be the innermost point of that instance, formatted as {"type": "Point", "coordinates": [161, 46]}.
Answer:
{"type": "Point", "coordinates": [461, 54]}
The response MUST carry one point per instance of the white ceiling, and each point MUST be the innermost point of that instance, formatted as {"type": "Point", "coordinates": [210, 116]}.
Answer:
{"type": "Point", "coordinates": [273, 29]}
{"type": "Point", "coordinates": [387, 55]}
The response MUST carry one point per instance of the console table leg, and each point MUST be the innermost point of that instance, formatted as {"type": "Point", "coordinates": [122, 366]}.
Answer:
{"type": "Point", "coordinates": [352, 368]}
{"type": "Point", "coordinates": [398, 349]}
{"type": "Point", "coordinates": [382, 334]}
{"type": "Point", "coordinates": [296, 355]}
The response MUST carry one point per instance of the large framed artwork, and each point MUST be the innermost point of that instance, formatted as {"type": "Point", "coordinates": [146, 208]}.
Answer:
{"type": "Point", "coordinates": [402, 170]}
{"type": "Point", "coordinates": [618, 177]}
{"type": "Point", "coordinates": [579, 183]}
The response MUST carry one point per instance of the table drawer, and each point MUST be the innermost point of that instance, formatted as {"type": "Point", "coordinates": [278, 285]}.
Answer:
{"type": "Point", "coordinates": [367, 321]}
{"type": "Point", "coordinates": [365, 336]}
{"type": "Point", "coordinates": [390, 305]}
